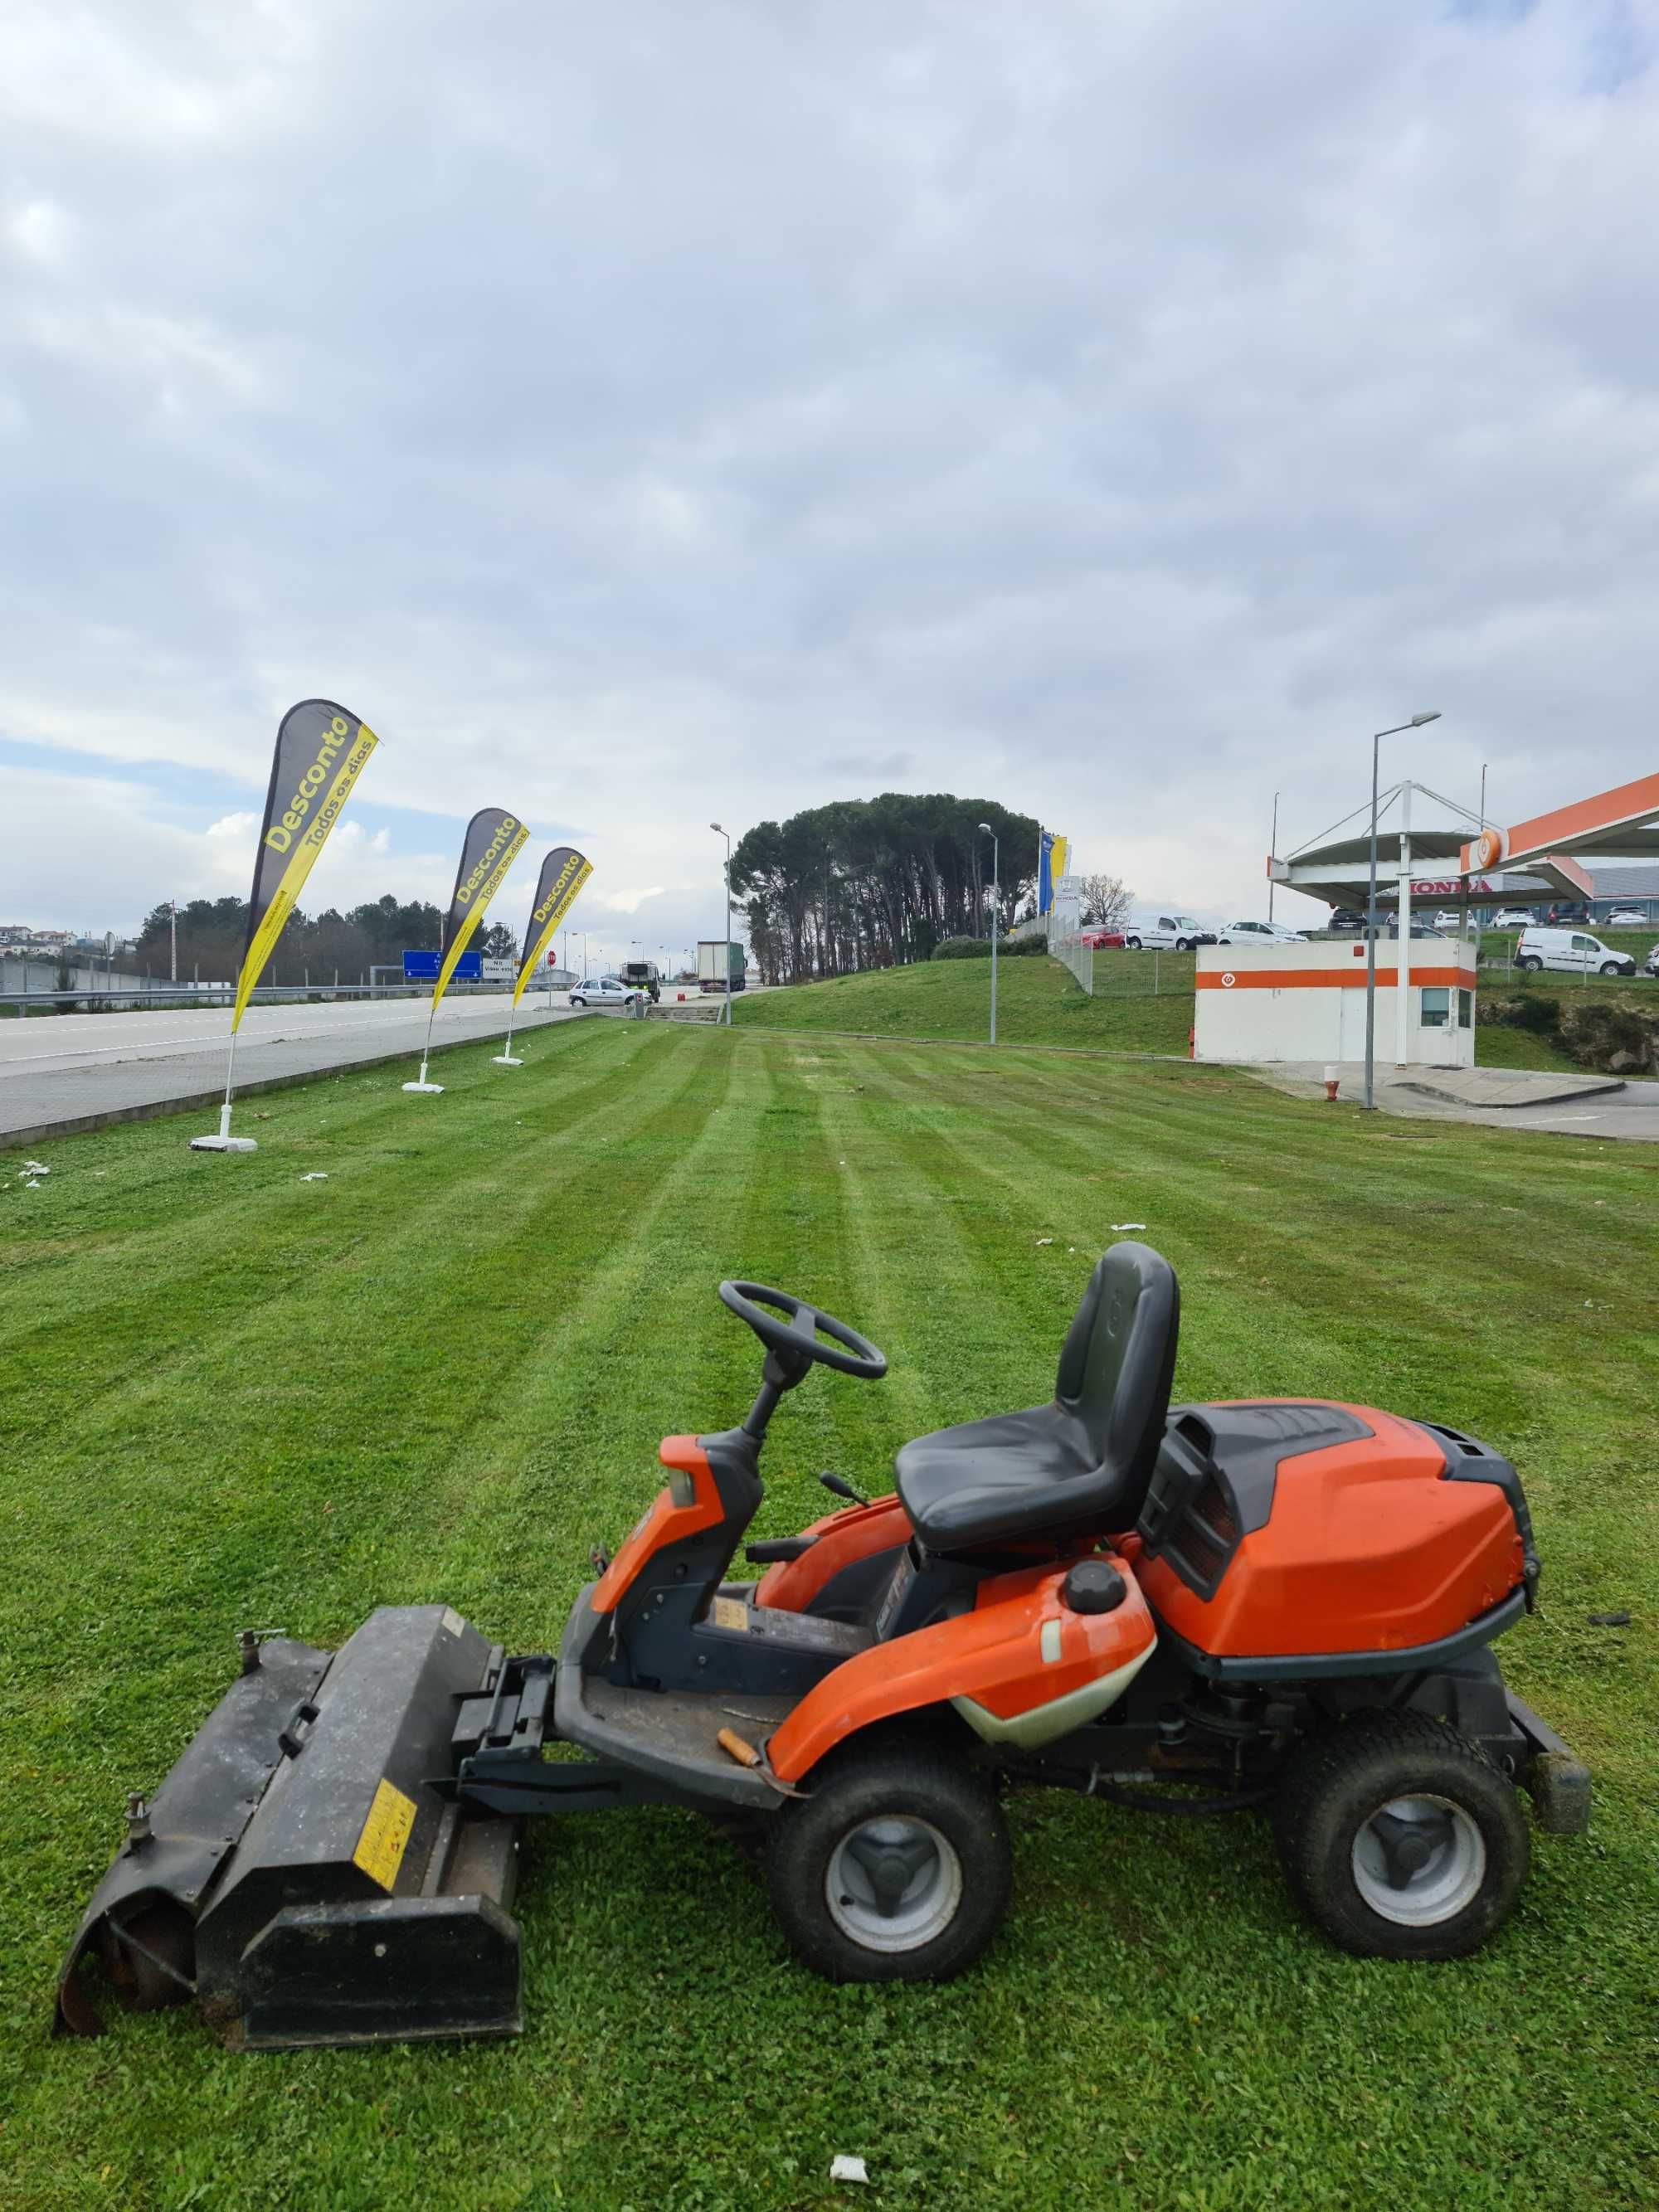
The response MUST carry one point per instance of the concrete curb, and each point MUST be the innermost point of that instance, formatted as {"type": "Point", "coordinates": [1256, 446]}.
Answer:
{"type": "Point", "coordinates": [1600, 1086]}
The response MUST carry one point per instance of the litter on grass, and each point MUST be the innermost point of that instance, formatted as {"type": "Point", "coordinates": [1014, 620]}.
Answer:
{"type": "Point", "coordinates": [320, 1175]}
{"type": "Point", "coordinates": [36, 1167]}
{"type": "Point", "coordinates": [1045, 1240]}
{"type": "Point", "coordinates": [842, 2168]}
{"type": "Point", "coordinates": [1118, 1226]}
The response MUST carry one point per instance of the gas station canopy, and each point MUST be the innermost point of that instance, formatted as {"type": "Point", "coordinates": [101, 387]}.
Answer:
{"type": "Point", "coordinates": [1621, 824]}
{"type": "Point", "coordinates": [1434, 863]}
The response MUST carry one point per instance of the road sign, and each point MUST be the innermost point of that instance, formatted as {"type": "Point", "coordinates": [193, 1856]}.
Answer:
{"type": "Point", "coordinates": [422, 968]}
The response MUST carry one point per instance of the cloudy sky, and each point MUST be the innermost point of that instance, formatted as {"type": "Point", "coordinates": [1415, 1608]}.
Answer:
{"type": "Point", "coordinates": [643, 411]}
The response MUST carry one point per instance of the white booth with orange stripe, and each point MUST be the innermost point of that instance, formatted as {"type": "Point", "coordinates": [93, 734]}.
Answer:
{"type": "Point", "coordinates": [1308, 1002]}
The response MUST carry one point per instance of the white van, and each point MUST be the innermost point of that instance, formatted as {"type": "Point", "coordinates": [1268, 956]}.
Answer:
{"type": "Point", "coordinates": [1165, 932]}
{"type": "Point", "coordinates": [1570, 952]}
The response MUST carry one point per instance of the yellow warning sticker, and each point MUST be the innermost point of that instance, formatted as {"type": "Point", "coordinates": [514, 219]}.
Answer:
{"type": "Point", "coordinates": [729, 1612]}
{"type": "Point", "coordinates": [385, 1835]}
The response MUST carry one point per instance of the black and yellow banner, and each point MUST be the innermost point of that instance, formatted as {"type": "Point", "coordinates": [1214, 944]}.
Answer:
{"type": "Point", "coordinates": [494, 841]}
{"type": "Point", "coordinates": [563, 873]}
{"type": "Point", "coordinates": [320, 752]}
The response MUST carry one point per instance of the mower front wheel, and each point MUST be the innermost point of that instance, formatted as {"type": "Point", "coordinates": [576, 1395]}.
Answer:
{"type": "Point", "coordinates": [1400, 1839]}
{"type": "Point", "coordinates": [895, 1868]}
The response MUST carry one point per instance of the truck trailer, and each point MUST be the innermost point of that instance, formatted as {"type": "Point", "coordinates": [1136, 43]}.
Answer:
{"type": "Point", "coordinates": [712, 968]}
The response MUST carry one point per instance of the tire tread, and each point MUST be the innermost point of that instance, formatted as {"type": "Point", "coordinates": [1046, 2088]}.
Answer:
{"type": "Point", "coordinates": [1339, 1752]}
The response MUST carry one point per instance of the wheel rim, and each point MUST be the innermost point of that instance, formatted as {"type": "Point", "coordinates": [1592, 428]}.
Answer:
{"type": "Point", "coordinates": [1419, 1861]}
{"type": "Point", "coordinates": [893, 1883]}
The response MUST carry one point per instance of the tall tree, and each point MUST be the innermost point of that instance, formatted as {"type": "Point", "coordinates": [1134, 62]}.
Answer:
{"type": "Point", "coordinates": [1106, 901]}
{"type": "Point", "coordinates": [876, 883]}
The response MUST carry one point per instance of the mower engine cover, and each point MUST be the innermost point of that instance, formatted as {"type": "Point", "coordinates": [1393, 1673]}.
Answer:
{"type": "Point", "coordinates": [305, 1872]}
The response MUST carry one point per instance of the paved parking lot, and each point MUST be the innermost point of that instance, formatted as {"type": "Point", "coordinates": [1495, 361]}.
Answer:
{"type": "Point", "coordinates": [1587, 1105]}
{"type": "Point", "coordinates": [81, 1071]}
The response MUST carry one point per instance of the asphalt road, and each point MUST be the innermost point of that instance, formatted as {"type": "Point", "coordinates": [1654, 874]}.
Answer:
{"type": "Point", "coordinates": [81, 1071]}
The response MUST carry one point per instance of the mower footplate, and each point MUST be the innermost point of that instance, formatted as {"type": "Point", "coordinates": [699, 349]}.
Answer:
{"type": "Point", "coordinates": [306, 1871]}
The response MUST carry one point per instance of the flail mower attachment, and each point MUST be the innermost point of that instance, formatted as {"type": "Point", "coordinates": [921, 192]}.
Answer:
{"type": "Point", "coordinates": [305, 1872]}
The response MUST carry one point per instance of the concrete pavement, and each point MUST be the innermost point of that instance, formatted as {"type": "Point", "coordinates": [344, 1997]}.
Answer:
{"type": "Point", "coordinates": [69, 1072]}
{"type": "Point", "coordinates": [1576, 1104]}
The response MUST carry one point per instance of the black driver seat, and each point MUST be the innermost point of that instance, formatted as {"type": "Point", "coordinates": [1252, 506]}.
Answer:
{"type": "Point", "coordinates": [1080, 1464]}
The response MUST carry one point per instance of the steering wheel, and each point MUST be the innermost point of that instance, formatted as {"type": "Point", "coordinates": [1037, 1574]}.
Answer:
{"type": "Point", "coordinates": [797, 1335]}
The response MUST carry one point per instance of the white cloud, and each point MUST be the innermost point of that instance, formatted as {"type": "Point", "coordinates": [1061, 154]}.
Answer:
{"type": "Point", "coordinates": [626, 902]}
{"type": "Point", "coordinates": [39, 230]}
{"type": "Point", "coordinates": [1119, 413]}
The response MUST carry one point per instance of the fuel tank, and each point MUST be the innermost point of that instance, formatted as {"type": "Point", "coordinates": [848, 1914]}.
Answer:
{"type": "Point", "coordinates": [1277, 1528]}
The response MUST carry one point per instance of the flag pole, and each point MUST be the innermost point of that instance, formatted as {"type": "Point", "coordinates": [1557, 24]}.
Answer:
{"type": "Point", "coordinates": [504, 1058]}
{"type": "Point", "coordinates": [224, 1142]}
{"type": "Point", "coordinates": [426, 1051]}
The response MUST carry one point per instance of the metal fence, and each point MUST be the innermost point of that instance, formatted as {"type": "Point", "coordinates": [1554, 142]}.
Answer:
{"type": "Point", "coordinates": [1111, 972]}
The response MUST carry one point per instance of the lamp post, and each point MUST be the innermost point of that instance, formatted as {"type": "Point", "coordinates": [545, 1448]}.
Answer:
{"type": "Point", "coordinates": [1272, 849]}
{"type": "Point", "coordinates": [727, 834]}
{"type": "Point", "coordinates": [1403, 960]}
{"type": "Point", "coordinates": [995, 864]}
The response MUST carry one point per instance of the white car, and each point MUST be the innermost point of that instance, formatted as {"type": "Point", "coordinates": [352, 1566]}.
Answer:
{"type": "Point", "coordinates": [1627, 917]}
{"type": "Point", "coordinates": [607, 991]}
{"type": "Point", "coordinates": [1259, 932]}
{"type": "Point", "coordinates": [1512, 917]}
{"type": "Point", "coordinates": [1570, 952]}
{"type": "Point", "coordinates": [1449, 918]}
{"type": "Point", "coordinates": [1165, 932]}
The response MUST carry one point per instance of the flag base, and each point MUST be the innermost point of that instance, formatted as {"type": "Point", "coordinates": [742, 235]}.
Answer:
{"type": "Point", "coordinates": [224, 1142]}
{"type": "Point", "coordinates": [505, 1060]}
{"type": "Point", "coordinates": [433, 1087]}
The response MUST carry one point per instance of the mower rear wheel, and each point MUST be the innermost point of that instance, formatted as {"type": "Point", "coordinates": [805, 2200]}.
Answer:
{"type": "Point", "coordinates": [895, 1868]}
{"type": "Point", "coordinates": [1400, 1839]}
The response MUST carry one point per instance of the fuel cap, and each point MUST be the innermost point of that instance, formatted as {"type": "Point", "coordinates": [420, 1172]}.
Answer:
{"type": "Point", "coordinates": [1094, 1586]}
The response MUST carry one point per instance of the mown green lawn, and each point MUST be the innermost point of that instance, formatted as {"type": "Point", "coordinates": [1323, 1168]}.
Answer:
{"type": "Point", "coordinates": [231, 1397]}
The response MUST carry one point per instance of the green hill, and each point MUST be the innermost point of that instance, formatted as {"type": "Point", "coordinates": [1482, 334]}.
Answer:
{"type": "Point", "coordinates": [1037, 1003]}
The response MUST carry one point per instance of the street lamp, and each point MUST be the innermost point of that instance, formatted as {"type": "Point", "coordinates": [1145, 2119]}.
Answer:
{"type": "Point", "coordinates": [1402, 958]}
{"type": "Point", "coordinates": [727, 834]}
{"type": "Point", "coordinates": [1272, 849]}
{"type": "Point", "coordinates": [996, 861]}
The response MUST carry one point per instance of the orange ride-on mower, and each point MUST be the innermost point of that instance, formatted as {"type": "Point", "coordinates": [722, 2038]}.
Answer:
{"type": "Point", "coordinates": [1281, 1603]}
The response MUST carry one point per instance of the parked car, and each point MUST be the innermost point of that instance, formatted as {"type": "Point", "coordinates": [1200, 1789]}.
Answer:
{"type": "Point", "coordinates": [1259, 932]}
{"type": "Point", "coordinates": [1570, 952]}
{"type": "Point", "coordinates": [1165, 932]}
{"type": "Point", "coordinates": [1450, 918]}
{"type": "Point", "coordinates": [1346, 921]}
{"type": "Point", "coordinates": [1650, 966]}
{"type": "Point", "coordinates": [605, 991]}
{"type": "Point", "coordinates": [1102, 939]}
{"type": "Point", "coordinates": [1512, 917]}
{"type": "Point", "coordinates": [1626, 918]}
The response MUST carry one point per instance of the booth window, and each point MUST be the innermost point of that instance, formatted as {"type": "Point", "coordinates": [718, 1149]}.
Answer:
{"type": "Point", "coordinates": [1437, 1005]}
{"type": "Point", "coordinates": [1466, 1010]}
